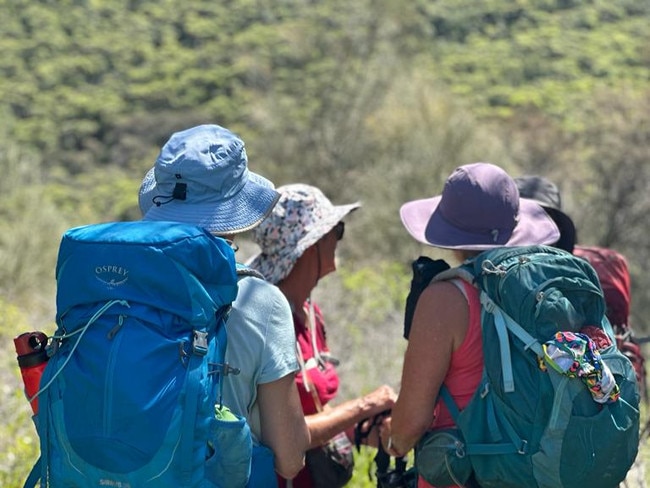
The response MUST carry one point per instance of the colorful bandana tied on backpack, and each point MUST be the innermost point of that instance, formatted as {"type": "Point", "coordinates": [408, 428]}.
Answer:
{"type": "Point", "coordinates": [577, 356]}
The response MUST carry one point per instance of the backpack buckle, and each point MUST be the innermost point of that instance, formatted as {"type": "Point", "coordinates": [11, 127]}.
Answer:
{"type": "Point", "coordinates": [200, 343]}
{"type": "Point", "coordinates": [460, 450]}
{"type": "Point", "coordinates": [523, 449]}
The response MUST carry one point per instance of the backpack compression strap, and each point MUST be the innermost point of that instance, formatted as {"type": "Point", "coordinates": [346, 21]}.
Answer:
{"type": "Point", "coordinates": [514, 444]}
{"type": "Point", "coordinates": [34, 475]}
{"type": "Point", "coordinates": [504, 323]}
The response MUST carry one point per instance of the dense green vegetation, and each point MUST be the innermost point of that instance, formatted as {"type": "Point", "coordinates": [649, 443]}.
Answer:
{"type": "Point", "coordinates": [372, 100]}
{"type": "Point", "coordinates": [375, 100]}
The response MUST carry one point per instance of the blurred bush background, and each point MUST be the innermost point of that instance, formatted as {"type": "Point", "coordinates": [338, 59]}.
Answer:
{"type": "Point", "coordinates": [372, 100]}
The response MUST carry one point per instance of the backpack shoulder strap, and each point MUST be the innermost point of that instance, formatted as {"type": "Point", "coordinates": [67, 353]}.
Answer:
{"type": "Point", "coordinates": [502, 322]}
{"type": "Point", "coordinates": [424, 270]}
{"type": "Point", "coordinates": [34, 475]}
{"type": "Point", "coordinates": [457, 272]}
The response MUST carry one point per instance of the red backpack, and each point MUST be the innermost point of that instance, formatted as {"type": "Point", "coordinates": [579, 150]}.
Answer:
{"type": "Point", "coordinates": [613, 273]}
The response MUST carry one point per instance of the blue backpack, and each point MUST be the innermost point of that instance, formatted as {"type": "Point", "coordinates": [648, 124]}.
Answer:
{"type": "Point", "coordinates": [530, 424]}
{"type": "Point", "coordinates": [130, 396]}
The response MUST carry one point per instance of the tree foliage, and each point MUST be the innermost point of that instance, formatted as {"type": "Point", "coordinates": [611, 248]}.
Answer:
{"type": "Point", "coordinates": [80, 76]}
{"type": "Point", "coordinates": [374, 101]}
{"type": "Point", "coordinates": [30, 226]}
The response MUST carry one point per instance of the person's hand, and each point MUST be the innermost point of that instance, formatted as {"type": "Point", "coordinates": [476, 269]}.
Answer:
{"type": "Point", "coordinates": [375, 406]}
{"type": "Point", "coordinates": [369, 430]}
{"type": "Point", "coordinates": [380, 400]}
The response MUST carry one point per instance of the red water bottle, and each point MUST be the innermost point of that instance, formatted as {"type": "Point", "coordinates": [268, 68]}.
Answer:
{"type": "Point", "coordinates": [32, 359]}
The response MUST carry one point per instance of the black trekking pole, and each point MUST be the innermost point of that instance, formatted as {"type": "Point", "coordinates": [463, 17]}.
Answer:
{"type": "Point", "coordinates": [382, 462]}
{"type": "Point", "coordinates": [398, 477]}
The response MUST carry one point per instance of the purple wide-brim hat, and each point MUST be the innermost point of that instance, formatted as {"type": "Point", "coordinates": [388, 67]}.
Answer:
{"type": "Point", "coordinates": [479, 209]}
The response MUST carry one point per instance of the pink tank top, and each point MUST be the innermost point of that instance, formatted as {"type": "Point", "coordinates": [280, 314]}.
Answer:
{"type": "Point", "coordinates": [466, 366]}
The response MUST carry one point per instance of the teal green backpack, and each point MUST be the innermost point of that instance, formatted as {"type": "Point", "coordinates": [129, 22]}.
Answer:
{"type": "Point", "coordinates": [529, 425]}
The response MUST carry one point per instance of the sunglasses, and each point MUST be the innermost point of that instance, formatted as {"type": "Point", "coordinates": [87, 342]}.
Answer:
{"type": "Point", "coordinates": [339, 230]}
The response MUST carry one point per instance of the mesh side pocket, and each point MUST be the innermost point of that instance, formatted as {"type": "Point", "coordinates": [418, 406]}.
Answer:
{"type": "Point", "coordinates": [229, 463]}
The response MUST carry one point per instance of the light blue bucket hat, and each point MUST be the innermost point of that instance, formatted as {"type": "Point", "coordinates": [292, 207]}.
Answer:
{"type": "Point", "coordinates": [201, 177]}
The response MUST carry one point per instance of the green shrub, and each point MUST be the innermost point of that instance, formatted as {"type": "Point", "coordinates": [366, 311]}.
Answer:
{"type": "Point", "coordinates": [18, 440]}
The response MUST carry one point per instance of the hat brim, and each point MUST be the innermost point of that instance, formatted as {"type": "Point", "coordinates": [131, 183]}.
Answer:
{"type": "Point", "coordinates": [427, 226]}
{"type": "Point", "coordinates": [240, 213]}
{"type": "Point", "coordinates": [276, 267]}
{"type": "Point", "coordinates": [568, 234]}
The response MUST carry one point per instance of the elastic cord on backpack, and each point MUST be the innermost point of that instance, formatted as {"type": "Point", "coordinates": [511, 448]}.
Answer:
{"type": "Point", "coordinates": [80, 333]}
{"type": "Point", "coordinates": [40, 469]}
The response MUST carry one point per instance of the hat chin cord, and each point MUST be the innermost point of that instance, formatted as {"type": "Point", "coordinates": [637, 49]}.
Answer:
{"type": "Point", "coordinates": [318, 268]}
{"type": "Point", "coordinates": [179, 193]}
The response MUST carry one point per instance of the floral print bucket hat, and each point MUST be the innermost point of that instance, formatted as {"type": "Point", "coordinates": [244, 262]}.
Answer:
{"type": "Point", "coordinates": [302, 216]}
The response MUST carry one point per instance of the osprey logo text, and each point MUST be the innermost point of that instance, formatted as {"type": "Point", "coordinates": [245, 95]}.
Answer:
{"type": "Point", "coordinates": [112, 275]}
{"type": "Point", "coordinates": [113, 483]}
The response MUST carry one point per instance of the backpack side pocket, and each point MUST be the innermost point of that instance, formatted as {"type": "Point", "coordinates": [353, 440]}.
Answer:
{"type": "Point", "coordinates": [230, 450]}
{"type": "Point", "coordinates": [440, 458]}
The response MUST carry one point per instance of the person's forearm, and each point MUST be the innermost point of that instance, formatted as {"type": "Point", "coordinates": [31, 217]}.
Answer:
{"type": "Point", "coordinates": [405, 431]}
{"type": "Point", "coordinates": [283, 427]}
{"type": "Point", "coordinates": [326, 424]}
